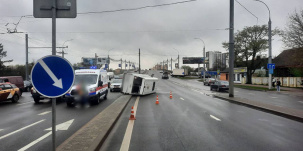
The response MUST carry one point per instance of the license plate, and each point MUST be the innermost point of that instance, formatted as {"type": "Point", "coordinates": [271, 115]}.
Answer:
{"type": "Point", "coordinates": [116, 86]}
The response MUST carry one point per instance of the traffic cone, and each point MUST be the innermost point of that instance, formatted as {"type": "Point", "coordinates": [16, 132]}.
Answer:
{"type": "Point", "coordinates": [157, 101]}
{"type": "Point", "coordinates": [132, 114]}
{"type": "Point", "coordinates": [170, 95]}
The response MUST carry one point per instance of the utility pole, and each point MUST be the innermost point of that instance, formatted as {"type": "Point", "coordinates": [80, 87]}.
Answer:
{"type": "Point", "coordinates": [139, 62]}
{"type": "Point", "coordinates": [204, 63]}
{"type": "Point", "coordinates": [178, 61]}
{"type": "Point", "coordinates": [96, 57]}
{"type": "Point", "coordinates": [26, 55]}
{"type": "Point", "coordinates": [171, 64]}
{"type": "Point", "coordinates": [128, 64]}
{"type": "Point", "coordinates": [121, 64]}
{"type": "Point", "coordinates": [231, 49]}
{"type": "Point", "coordinates": [125, 65]}
{"type": "Point", "coordinates": [167, 64]}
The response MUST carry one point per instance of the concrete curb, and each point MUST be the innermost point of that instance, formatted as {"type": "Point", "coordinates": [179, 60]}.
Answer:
{"type": "Point", "coordinates": [293, 114]}
{"type": "Point", "coordinates": [92, 135]}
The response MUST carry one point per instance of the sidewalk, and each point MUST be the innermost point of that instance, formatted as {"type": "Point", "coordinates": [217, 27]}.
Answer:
{"type": "Point", "coordinates": [284, 90]}
{"type": "Point", "coordinates": [290, 113]}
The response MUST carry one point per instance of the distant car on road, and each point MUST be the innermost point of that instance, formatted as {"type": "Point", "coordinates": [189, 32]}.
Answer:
{"type": "Point", "coordinates": [209, 81]}
{"type": "Point", "coordinates": [27, 86]}
{"type": "Point", "coordinates": [116, 85]}
{"type": "Point", "coordinates": [165, 75]}
{"type": "Point", "coordinates": [219, 86]}
{"type": "Point", "coordinates": [9, 92]}
{"type": "Point", "coordinates": [161, 71]}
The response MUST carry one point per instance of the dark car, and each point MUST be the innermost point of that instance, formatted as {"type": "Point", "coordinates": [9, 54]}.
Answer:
{"type": "Point", "coordinates": [165, 75]}
{"type": "Point", "coordinates": [209, 81]}
{"type": "Point", "coordinates": [220, 86]}
{"type": "Point", "coordinates": [37, 96]}
{"type": "Point", "coordinates": [27, 86]}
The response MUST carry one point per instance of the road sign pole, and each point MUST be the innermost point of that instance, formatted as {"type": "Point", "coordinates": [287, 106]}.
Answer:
{"type": "Point", "coordinates": [26, 55]}
{"type": "Point", "coordinates": [54, 53]}
{"type": "Point", "coordinates": [269, 52]}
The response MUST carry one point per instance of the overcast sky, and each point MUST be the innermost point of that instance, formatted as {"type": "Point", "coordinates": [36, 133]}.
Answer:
{"type": "Point", "coordinates": [156, 31]}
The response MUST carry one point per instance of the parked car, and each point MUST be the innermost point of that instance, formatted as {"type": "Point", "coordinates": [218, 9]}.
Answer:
{"type": "Point", "coordinates": [9, 92]}
{"type": "Point", "coordinates": [116, 85]}
{"type": "Point", "coordinates": [219, 86]}
{"type": "Point", "coordinates": [27, 86]}
{"type": "Point", "coordinates": [209, 81]}
{"type": "Point", "coordinates": [16, 80]}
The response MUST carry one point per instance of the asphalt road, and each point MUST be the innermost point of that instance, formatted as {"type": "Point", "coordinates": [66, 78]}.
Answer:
{"type": "Point", "coordinates": [194, 121]}
{"type": "Point", "coordinates": [21, 123]}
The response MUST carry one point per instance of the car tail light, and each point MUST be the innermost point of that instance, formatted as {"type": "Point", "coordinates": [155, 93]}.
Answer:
{"type": "Point", "coordinates": [222, 86]}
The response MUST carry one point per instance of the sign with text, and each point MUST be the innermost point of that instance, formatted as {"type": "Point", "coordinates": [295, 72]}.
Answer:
{"type": "Point", "coordinates": [193, 60]}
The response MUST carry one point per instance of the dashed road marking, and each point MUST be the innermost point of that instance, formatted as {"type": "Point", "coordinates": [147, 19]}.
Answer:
{"type": "Point", "coordinates": [46, 112]}
{"type": "Point", "coordinates": [182, 99]}
{"type": "Point", "coordinates": [9, 134]}
{"type": "Point", "coordinates": [128, 133]}
{"type": "Point", "coordinates": [214, 117]}
{"type": "Point", "coordinates": [300, 101]}
{"type": "Point", "coordinates": [251, 93]}
{"type": "Point", "coordinates": [24, 103]}
{"type": "Point", "coordinates": [1, 130]}
{"type": "Point", "coordinates": [274, 97]}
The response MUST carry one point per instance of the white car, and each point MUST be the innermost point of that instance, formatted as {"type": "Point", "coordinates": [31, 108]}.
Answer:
{"type": "Point", "coordinates": [115, 85]}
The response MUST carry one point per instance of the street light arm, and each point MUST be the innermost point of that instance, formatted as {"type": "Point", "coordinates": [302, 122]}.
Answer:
{"type": "Point", "coordinates": [266, 6]}
{"type": "Point", "coordinates": [201, 40]}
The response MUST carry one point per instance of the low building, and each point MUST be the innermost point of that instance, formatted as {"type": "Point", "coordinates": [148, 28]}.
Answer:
{"type": "Point", "coordinates": [239, 75]}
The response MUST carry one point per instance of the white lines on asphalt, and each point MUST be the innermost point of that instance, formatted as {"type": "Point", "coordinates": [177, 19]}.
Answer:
{"type": "Point", "coordinates": [251, 93]}
{"type": "Point", "coordinates": [36, 141]}
{"type": "Point", "coordinates": [129, 130]}
{"type": "Point", "coordinates": [46, 112]}
{"type": "Point", "coordinates": [182, 99]}
{"type": "Point", "coordinates": [4, 136]}
{"type": "Point", "coordinates": [274, 97]}
{"type": "Point", "coordinates": [214, 117]}
{"type": "Point", "coordinates": [24, 103]}
{"type": "Point", "coordinates": [1, 130]}
{"type": "Point", "coordinates": [300, 101]}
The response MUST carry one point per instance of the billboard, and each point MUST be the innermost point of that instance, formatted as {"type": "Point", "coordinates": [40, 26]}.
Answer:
{"type": "Point", "coordinates": [88, 61]}
{"type": "Point", "coordinates": [103, 61]}
{"type": "Point", "coordinates": [193, 60]}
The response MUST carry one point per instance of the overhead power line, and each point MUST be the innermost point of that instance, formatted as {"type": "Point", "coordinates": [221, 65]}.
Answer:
{"type": "Point", "coordinates": [248, 11]}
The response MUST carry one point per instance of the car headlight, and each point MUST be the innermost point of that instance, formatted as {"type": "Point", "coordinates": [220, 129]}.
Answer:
{"type": "Point", "coordinates": [92, 89]}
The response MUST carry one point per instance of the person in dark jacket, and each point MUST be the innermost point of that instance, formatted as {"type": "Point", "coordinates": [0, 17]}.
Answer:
{"type": "Point", "coordinates": [278, 85]}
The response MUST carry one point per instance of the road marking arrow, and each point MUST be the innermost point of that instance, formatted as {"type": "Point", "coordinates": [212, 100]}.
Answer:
{"type": "Point", "coordinates": [57, 82]}
{"type": "Point", "coordinates": [62, 126]}
{"type": "Point", "coordinates": [46, 112]}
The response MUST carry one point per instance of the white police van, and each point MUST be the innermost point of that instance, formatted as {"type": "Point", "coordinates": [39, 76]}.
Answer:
{"type": "Point", "coordinates": [96, 84]}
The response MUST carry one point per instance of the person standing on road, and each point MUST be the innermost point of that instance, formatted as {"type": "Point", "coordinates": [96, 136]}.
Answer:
{"type": "Point", "coordinates": [273, 82]}
{"type": "Point", "coordinates": [278, 85]}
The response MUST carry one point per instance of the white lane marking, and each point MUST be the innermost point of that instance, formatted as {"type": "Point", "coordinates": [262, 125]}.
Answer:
{"type": "Point", "coordinates": [214, 117]}
{"type": "Point", "coordinates": [182, 99]}
{"type": "Point", "coordinates": [24, 103]}
{"type": "Point", "coordinates": [4, 136]}
{"type": "Point", "coordinates": [46, 112]}
{"type": "Point", "coordinates": [274, 97]}
{"type": "Point", "coordinates": [129, 130]}
{"type": "Point", "coordinates": [251, 93]}
{"type": "Point", "coordinates": [300, 101]}
{"type": "Point", "coordinates": [1, 130]}
{"type": "Point", "coordinates": [236, 91]}
{"type": "Point", "coordinates": [35, 142]}
{"type": "Point", "coordinates": [59, 127]}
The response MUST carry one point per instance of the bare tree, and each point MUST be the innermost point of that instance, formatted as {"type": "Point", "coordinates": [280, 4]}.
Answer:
{"type": "Point", "coordinates": [293, 33]}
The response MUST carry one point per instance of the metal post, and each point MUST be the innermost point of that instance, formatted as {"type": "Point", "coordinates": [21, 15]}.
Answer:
{"type": "Point", "coordinates": [171, 64]}
{"type": "Point", "coordinates": [269, 52]}
{"type": "Point", "coordinates": [125, 65]}
{"type": "Point", "coordinates": [54, 9]}
{"type": "Point", "coordinates": [163, 65]}
{"type": "Point", "coordinates": [178, 61]}
{"type": "Point", "coordinates": [121, 64]}
{"type": "Point", "coordinates": [204, 63]}
{"type": "Point", "coordinates": [231, 49]}
{"type": "Point", "coordinates": [62, 53]}
{"type": "Point", "coordinates": [108, 62]}
{"type": "Point", "coordinates": [167, 65]}
{"type": "Point", "coordinates": [26, 55]}
{"type": "Point", "coordinates": [139, 62]}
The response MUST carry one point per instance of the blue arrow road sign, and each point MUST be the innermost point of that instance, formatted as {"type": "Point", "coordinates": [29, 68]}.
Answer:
{"type": "Point", "coordinates": [52, 76]}
{"type": "Point", "coordinates": [271, 66]}
{"type": "Point", "coordinates": [271, 71]}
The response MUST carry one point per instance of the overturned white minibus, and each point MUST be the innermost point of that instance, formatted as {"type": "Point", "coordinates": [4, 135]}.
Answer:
{"type": "Point", "coordinates": [138, 84]}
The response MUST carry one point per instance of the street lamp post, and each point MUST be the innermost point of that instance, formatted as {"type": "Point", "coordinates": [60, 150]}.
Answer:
{"type": "Point", "coordinates": [204, 57]}
{"type": "Point", "coordinates": [63, 47]}
{"type": "Point", "coordinates": [108, 59]}
{"type": "Point", "coordinates": [178, 59]}
{"type": "Point", "coordinates": [269, 43]}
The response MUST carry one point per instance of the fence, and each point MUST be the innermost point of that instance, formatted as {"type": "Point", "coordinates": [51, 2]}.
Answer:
{"type": "Point", "coordinates": [285, 81]}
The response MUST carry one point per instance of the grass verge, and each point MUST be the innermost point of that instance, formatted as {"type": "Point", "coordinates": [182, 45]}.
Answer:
{"type": "Point", "coordinates": [187, 78]}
